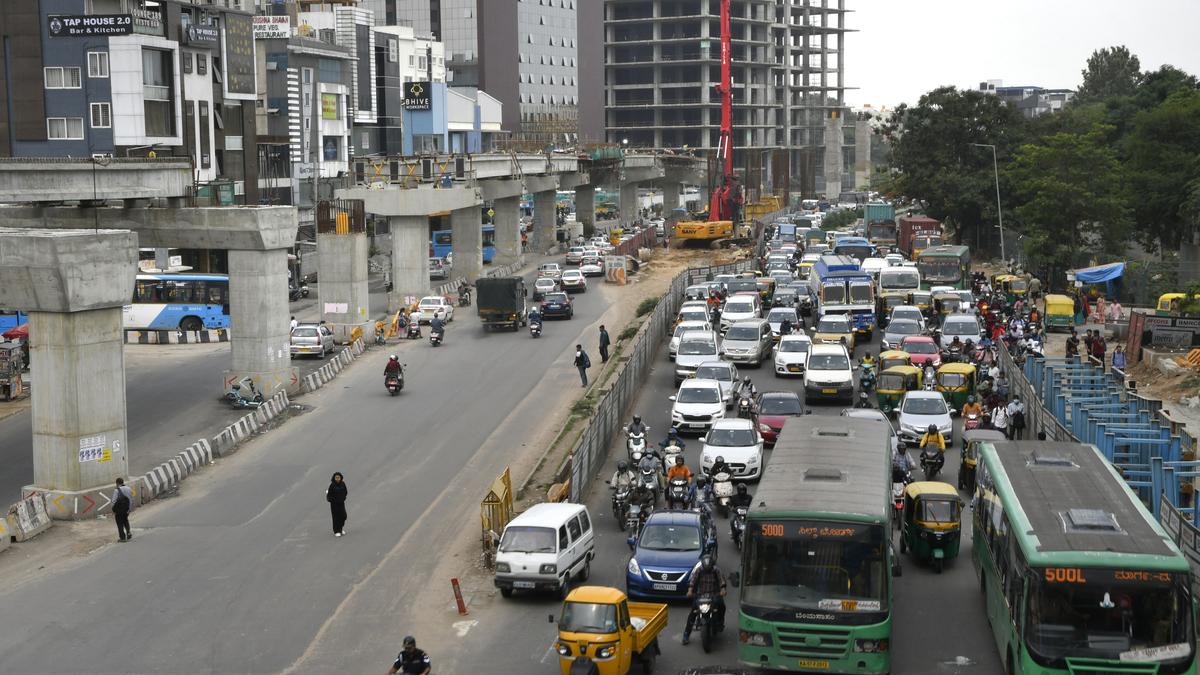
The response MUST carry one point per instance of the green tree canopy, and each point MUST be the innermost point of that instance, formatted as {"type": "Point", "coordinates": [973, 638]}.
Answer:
{"type": "Point", "coordinates": [1163, 159]}
{"type": "Point", "coordinates": [1111, 71]}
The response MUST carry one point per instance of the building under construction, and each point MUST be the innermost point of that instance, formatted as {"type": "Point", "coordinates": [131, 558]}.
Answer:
{"type": "Point", "coordinates": [791, 130]}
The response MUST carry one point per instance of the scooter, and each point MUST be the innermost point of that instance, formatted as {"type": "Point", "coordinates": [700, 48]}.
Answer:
{"type": "Point", "coordinates": [635, 442]}
{"type": "Point", "coordinates": [535, 329]}
{"type": "Point", "coordinates": [971, 422]}
{"type": "Point", "coordinates": [394, 383]}
{"type": "Point", "coordinates": [900, 479]}
{"type": "Point", "coordinates": [239, 399]}
{"type": "Point", "coordinates": [706, 622]}
{"type": "Point", "coordinates": [866, 378]}
{"type": "Point", "coordinates": [737, 526]}
{"type": "Point", "coordinates": [677, 494]}
{"type": "Point", "coordinates": [722, 484]}
{"type": "Point", "coordinates": [435, 338]}
{"type": "Point", "coordinates": [413, 331]}
{"type": "Point", "coordinates": [670, 452]}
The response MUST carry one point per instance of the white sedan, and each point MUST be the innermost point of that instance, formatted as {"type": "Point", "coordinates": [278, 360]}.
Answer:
{"type": "Point", "coordinates": [591, 267]}
{"type": "Point", "coordinates": [572, 280]}
{"type": "Point", "coordinates": [434, 304]}
{"type": "Point", "coordinates": [543, 286]}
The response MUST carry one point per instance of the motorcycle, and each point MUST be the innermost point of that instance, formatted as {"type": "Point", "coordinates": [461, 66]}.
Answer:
{"type": "Point", "coordinates": [535, 329]}
{"type": "Point", "coordinates": [744, 408]}
{"type": "Point", "coordinates": [297, 292]}
{"type": "Point", "coordinates": [866, 378]}
{"type": "Point", "coordinates": [678, 493]}
{"type": "Point", "coordinates": [620, 503]}
{"type": "Point", "coordinates": [648, 471]}
{"type": "Point", "coordinates": [972, 422]}
{"type": "Point", "coordinates": [737, 526]}
{"type": "Point", "coordinates": [635, 442]}
{"type": "Point", "coordinates": [706, 621]}
{"type": "Point", "coordinates": [635, 517]}
{"type": "Point", "coordinates": [930, 377]}
{"type": "Point", "coordinates": [394, 383]}
{"type": "Point", "coordinates": [952, 355]}
{"type": "Point", "coordinates": [722, 484]}
{"type": "Point", "coordinates": [900, 479]}
{"type": "Point", "coordinates": [464, 296]}
{"type": "Point", "coordinates": [670, 452]}
{"type": "Point", "coordinates": [931, 462]}
{"type": "Point", "coordinates": [240, 400]}
{"type": "Point", "coordinates": [435, 338]}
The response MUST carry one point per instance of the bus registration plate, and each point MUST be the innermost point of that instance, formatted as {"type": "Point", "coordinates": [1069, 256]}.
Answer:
{"type": "Point", "coordinates": [817, 665]}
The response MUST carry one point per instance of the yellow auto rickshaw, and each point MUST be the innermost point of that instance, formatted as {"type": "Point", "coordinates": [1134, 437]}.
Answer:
{"type": "Point", "coordinates": [969, 457]}
{"type": "Point", "coordinates": [894, 383]}
{"type": "Point", "coordinates": [922, 300]}
{"type": "Point", "coordinates": [1060, 312]}
{"type": "Point", "coordinates": [893, 357]}
{"type": "Point", "coordinates": [766, 289]}
{"type": "Point", "coordinates": [1013, 287]}
{"type": "Point", "coordinates": [932, 525]}
{"type": "Point", "coordinates": [956, 381]}
{"type": "Point", "coordinates": [1170, 303]}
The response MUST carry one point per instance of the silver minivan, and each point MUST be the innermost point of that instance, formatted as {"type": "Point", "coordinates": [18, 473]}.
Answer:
{"type": "Point", "coordinates": [544, 548]}
{"type": "Point", "coordinates": [747, 341]}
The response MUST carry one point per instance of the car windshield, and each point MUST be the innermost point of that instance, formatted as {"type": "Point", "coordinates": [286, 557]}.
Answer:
{"type": "Point", "coordinates": [431, 302]}
{"type": "Point", "coordinates": [822, 565]}
{"type": "Point", "coordinates": [907, 313]}
{"type": "Point", "coordinates": [899, 278]}
{"type": "Point", "coordinates": [699, 395]}
{"type": "Point", "coordinates": [697, 347]}
{"type": "Point", "coordinates": [587, 617]}
{"type": "Point", "coordinates": [732, 307]}
{"type": "Point", "coordinates": [833, 324]}
{"type": "Point", "coordinates": [731, 438]}
{"type": "Point", "coordinates": [961, 327]}
{"type": "Point", "coordinates": [572, 274]}
{"type": "Point", "coordinates": [528, 540]}
{"type": "Point", "coordinates": [683, 328]}
{"type": "Point", "coordinates": [925, 405]}
{"type": "Point", "coordinates": [920, 347]}
{"type": "Point", "coordinates": [746, 333]}
{"type": "Point", "coordinates": [694, 315]}
{"type": "Point", "coordinates": [544, 283]}
{"type": "Point", "coordinates": [828, 362]}
{"type": "Point", "coordinates": [904, 327]}
{"type": "Point", "coordinates": [799, 346]}
{"type": "Point", "coordinates": [556, 297]}
{"type": "Point", "coordinates": [670, 538]}
{"type": "Point", "coordinates": [778, 316]}
{"type": "Point", "coordinates": [304, 332]}
{"type": "Point", "coordinates": [779, 405]}
{"type": "Point", "coordinates": [1115, 614]}
{"type": "Point", "coordinates": [720, 373]}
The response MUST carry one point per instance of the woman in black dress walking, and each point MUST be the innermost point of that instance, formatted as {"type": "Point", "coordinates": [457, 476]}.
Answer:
{"type": "Point", "coordinates": [336, 496]}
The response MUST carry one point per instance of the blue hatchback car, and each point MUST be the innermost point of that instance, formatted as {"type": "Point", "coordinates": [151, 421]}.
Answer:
{"type": "Point", "coordinates": [667, 551]}
{"type": "Point", "coordinates": [557, 304]}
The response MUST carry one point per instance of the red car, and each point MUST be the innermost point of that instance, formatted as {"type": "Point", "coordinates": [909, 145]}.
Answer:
{"type": "Point", "coordinates": [923, 349]}
{"type": "Point", "coordinates": [772, 409]}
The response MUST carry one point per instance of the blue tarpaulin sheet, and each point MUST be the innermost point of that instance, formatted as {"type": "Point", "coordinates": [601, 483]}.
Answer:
{"type": "Point", "coordinates": [1100, 273]}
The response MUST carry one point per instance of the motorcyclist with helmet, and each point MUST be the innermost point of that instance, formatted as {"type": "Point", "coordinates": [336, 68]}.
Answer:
{"type": "Point", "coordinates": [748, 388]}
{"type": "Point", "coordinates": [933, 437]}
{"type": "Point", "coordinates": [680, 470]}
{"type": "Point", "coordinates": [972, 406]}
{"type": "Point", "coordinates": [624, 478]}
{"type": "Point", "coordinates": [718, 466]}
{"type": "Point", "coordinates": [864, 401]}
{"type": "Point", "coordinates": [636, 426]}
{"type": "Point", "coordinates": [708, 581]}
{"type": "Point", "coordinates": [672, 438]}
{"type": "Point", "coordinates": [393, 368]}
{"type": "Point", "coordinates": [438, 326]}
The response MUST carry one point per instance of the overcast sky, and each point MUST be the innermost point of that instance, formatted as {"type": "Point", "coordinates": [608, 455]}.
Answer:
{"type": "Point", "coordinates": [904, 48]}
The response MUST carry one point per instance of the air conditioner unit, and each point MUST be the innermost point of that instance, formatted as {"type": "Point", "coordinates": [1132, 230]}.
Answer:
{"type": "Point", "coordinates": [272, 65]}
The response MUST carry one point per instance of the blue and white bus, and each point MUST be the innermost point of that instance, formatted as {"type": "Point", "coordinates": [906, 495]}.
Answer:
{"type": "Point", "coordinates": [856, 247]}
{"type": "Point", "coordinates": [443, 243]}
{"type": "Point", "coordinates": [183, 301]}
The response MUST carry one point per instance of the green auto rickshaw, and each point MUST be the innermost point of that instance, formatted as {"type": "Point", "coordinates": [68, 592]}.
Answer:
{"type": "Point", "coordinates": [932, 526]}
{"type": "Point", "coordinates": [956, 381]}
{"type": "Point", "coordinates": [969, 457]}
{"type": "Point", "coordinates": [894, 383]}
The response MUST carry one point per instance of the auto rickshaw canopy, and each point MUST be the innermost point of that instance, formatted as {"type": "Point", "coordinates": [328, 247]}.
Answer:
{"type": "Point", "coordinates": [893, 357]}
{"type": "Point", "coordinates": [900, 379]}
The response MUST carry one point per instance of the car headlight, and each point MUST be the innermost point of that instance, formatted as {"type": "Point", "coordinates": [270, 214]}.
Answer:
{"type": "Point", "coordinates": [503, 567]}
{"type": "Point", "coordinates": [719, 413]}
{"type": "Point", "coordinates": [676, 416]}
{"type": "Point", "coordinates": [562, 649]}
{"type": "Point", "coordinates": [753, 461]}
{"type": "Point", "coordinates": [548, 568]}
{"type": "Point", "coordinates": [755, 639]}
{"type": "Point", "coordinates": [634, 568]}
{"type": "Point", "coordinates": [762, 428]}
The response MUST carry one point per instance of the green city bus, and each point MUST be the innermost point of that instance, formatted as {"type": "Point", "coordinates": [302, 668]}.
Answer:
{"type": "Point", "coordinates": [945, 265]}
{"type": "Point", "coordinates": [1077, 576]}
{"type": "Point", "coordinates": [816, 569]}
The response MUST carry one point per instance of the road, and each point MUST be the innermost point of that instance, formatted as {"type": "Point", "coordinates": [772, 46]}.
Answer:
{"type": "Point", "coordinates": [241, 572]}
{"type": "Point", "coordinates": [172, 398]}
{"type": "Point", "coordinates": [940, 624]}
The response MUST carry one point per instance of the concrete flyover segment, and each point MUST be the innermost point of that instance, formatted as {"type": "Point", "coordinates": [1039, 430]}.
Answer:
{"type": "Point", "coordinates": [73, 285]}
{"type": "Point", "coordinates": [56, 179]}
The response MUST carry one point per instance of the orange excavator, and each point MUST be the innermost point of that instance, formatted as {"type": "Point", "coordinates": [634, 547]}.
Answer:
{"type": "Point", "coordinates": [725, 202]}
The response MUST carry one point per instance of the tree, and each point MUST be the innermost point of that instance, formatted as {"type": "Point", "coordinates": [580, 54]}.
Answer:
{"type": "Point", "coordinates": [1110, 72]}
{"type": "Point", "coordinates": [1163, 160]}
{"type": "Point", "coordinates": [935, 162]}
{"type": "Point", "coordinates": [1070, 191]}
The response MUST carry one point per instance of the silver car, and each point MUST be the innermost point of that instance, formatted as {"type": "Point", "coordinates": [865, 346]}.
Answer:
{"type": "Point", "coordinates": [724, 372]}
{"type": "Point", "coordinates": [310, 339]}
{"type": "Point", "coordinates": [898, 330]}
{"type": "Point", "coordinates": [695, 347]}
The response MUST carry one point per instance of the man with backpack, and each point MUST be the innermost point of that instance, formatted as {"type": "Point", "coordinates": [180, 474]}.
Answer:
{"type": "Point", "coordinates": [122, 502]}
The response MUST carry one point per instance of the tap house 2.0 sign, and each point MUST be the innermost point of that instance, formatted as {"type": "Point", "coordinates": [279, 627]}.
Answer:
{"type": "Point", "coordinates": [417, 96]}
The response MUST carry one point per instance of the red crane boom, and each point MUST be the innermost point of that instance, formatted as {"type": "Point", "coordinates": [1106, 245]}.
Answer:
{"type": "Point", "coordinates": [725, 200]}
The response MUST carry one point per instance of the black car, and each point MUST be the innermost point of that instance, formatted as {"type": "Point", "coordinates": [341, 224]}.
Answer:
{"type": "Point", "coordinates": [557, 304]}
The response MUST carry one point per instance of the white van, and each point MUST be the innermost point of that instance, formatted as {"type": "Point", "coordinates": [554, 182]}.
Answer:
{"type": "Point", "coordinates": [544, 548]}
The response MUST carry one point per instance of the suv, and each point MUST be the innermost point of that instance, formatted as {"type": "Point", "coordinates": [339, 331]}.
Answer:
{"type": "Point", "coordinates": [695, 347]}
{"type": "Point", "coordinates": [829, 373]}
{"type": "Point", "coordinates": [667, 551]}
{"type": "Point", "coordinates": [747, 341]}
{"type": "Point", "coordinates": [739, 307]}
{"type": "Point", "coordinates": [574, 255]}
{"type": "Point", "coordinates": [697, 405]}
{"type": "Point", "coordinates": [310, 339]}
{"type": "Point", "coordinates": [962, 326]}
{"type": "Point", "coordinates": [437, 269]}
{"type": "Point", "coordinates": [681, 328]}
{"type": "Point", "coordinates": [551, 270]}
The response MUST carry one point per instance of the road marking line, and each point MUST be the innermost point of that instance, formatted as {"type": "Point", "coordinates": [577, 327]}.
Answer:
{"type": "Point", "coordinates": [463, 627]}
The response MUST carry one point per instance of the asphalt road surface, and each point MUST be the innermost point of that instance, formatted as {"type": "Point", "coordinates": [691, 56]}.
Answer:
{"type": "Point", "coordinates": [241, 573]}
{"type": "Point", "coordinates": [939, 625]}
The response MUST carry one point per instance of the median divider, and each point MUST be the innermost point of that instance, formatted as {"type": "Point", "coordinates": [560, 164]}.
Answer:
{"type": "Point", "coordinates": [27, 518]}
{"type": "Point", "coordinates": [175, 337]}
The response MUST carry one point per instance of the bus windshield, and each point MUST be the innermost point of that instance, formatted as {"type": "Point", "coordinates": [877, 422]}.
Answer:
{"type": "Point", "coordinates": [834, 293]}
{"type": "Point", "coordinates": [860, 294]}
{"type": "Point", "coordinates": [815, 564]}
{"type": "Point", "coordinates": [939, 269]}
{"type": "Point", "coordinates": [1126, 615]}
{"type": "Point", "coordinates": [885, 231]}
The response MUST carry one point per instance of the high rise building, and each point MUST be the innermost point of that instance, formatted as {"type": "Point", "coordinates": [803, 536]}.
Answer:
{"type": "Point", "coordinates": [791, 129]}
{"type": "Point", "coordinates": [523, 52]}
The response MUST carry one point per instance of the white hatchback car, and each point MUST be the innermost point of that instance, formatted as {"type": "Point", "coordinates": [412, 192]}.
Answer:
{"type": "Point", "coordinates": [739, 307]}
{"type": "Point", "coordinates": [697, 405]}
{"type": "Point", "coordinates": [918, 410]}
{"type": "Point", "coordinates": [434, 304]}
{"type": "Point", "coordinates": [791, 354]}
{"type": "Point", "coordinates": [738, 443]}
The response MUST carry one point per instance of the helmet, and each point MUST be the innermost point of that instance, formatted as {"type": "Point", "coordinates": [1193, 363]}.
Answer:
{"type": "Point", "coordinates": [746, 380]}
{"type": "Point", "coordinates": [678, 460]}
{"type": "Point", "coordinates": [392, 357]}
{"type": "Point", "coordinates": [706, 562]}
{"type": "Point", "coordinates": [637, 419]}
{"type": "Point", "coordinates": [410, 641]}
{"type": "Point", "coordinates": [932, 429]}
{"type": "Point", "coordinates": [719, 460]}
{"type": "Point", "coordinates": [622, 466]}
{"type": "Point", "coordinates": [672, 432]}
{"type": "Point", "coordinates": [971, 398]}
{"type": "Point", "coordinates": [701, 480]}
{"type": "Point", "coordinates": [741, 488]}
{"type": "Point", "coordinates": [862, 395]}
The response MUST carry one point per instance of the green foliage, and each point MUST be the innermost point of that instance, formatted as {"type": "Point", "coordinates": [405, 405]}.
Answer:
{"type": "Point", "coordinates": [839, 219]}
{"type": "Point", "coordinates": [647, 306]}
{"type": "Point", "coordinates": [1069, 187]}
{"type": "Point", "coordinates": [1163, 159]}
{"type": "Point", "coordinates": [630, 331]}
{"type": "Point", "coordinates": [936, 162]}
{"type": "Point", "coordinates": [1110, 72]}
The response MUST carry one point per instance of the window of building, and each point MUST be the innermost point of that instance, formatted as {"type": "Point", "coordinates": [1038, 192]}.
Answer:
{"type": "Point", "coordinates": [331, 147]}
{"type": "Point", "coordinates": [421, 63]}
{"type": "Point", "coordinates": [205, 137]}
{"type": "Point", "coordinates": [101, 116]}
{"type": "Point", "coordinates": [187, 62]}
{"type": "Point", "coordinates": [201, 64]}
{"type": "Point", "coordinates": [97, 64]}
{"type": "Point", "coordinates": [64, 128]}
{"type": "Point", "coordinates": [158, 92]}
{"type": "Point", "coordinates": [59, 77]}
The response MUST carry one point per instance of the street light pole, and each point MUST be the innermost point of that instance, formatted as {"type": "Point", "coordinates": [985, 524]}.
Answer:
{"type": "Point", "coordinates": [999, 212]}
